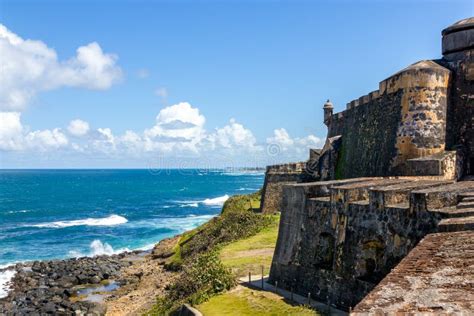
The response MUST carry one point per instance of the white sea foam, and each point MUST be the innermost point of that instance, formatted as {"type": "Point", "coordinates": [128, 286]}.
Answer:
{"type": "Point", "coordinates": [147, 247]}
{"type": "Point", "coordinates": [182, 224]}
{"type": "Point", "coordinates": [98, 248]}
{"type": "Point", "coordinates": [5, 278]}
{"type": "Point", "coordinates": [8, 265]}
{"type": "Point", "coordinates": [247, 189]}
{"type": "Point", "coordinates": [20, 211]}
{"type": "Point", "coordinates": [112, 220]}
{"type": "Point", "coordinates": [194, 204]}
{"type": "Point", "coordinates": [178, 224]}
{"type": "Point", "coordinates": [218, 201]}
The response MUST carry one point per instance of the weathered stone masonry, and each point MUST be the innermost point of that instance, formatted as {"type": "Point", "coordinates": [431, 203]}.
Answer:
{"type": "Point", "coordinates": [387, 177]}
{"type": "Point", "coordinates": [275, 178]}
{"type": "Point", "coordinates": [338, 239]}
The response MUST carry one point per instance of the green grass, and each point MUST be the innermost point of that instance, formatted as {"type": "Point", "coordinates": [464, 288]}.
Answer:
{"type": "Point", "coordinates": [237, 220]}
{"type": "Point", "coordinates": [251, 253]}
{"type": "Point", "coordinates": [243, 301]}
{"type": "Point", "coordinates": [176, 260]}
{"type": "Point", "coordinates": [202, 275]}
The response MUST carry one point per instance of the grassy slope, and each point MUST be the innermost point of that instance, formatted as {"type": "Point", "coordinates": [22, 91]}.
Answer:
{"type": "Point", "coordinates": [251, 253]}
{"type": "Point", "coordinates": [246, 255]}
{"type": "Point", "coordinates": [244, 241]}
{"type": "Point", "coordinates": [243, 301]}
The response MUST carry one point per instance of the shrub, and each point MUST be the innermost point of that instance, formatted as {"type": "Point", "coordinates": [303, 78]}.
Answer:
{"type": "Point", "coordinates": [199, 281]}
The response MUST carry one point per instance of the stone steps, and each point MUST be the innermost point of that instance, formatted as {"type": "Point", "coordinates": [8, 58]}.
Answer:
{"type": "Point", "coordinates": [463, 205]}
{"type": "Point", "coordinates": [347, 193]}
{"type": "Point", "coordinates": [465, 195]}
{"type": "Point", "coordinates": [439, 197]}
{"type": "Point", "coordinates": [452, 211]}
{"type": "Point", "coordinates": [456, 224]}
{"type": "Point", "coordinates": [399, 193]}
{"type": "Point", "coordinates": [322, 188]}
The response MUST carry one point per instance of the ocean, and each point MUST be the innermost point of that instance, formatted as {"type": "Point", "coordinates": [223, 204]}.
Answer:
{"type": "Point", "coordinates": [49, 214]}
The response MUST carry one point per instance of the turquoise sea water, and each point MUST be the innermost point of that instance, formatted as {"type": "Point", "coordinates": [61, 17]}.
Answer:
{"type": "Point", "coordinates": [48, 214]}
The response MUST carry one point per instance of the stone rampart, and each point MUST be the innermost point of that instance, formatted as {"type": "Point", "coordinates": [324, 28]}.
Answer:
{"type": "Point", "coordinates": [404, 119]}
{"type": "Point", "coordinates": [338, 239]}
{"type": "Point", "coordinates": [276, 177]}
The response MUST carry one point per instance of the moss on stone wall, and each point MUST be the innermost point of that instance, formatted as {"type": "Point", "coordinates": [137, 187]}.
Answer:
{"type": "Point", "coordinates": [369, 138]}
{"type": "Point", "coordinates": [340, 163]}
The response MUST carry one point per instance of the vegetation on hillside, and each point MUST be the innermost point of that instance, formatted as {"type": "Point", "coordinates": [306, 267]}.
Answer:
{"type": "Point", "coordinates": [252, 253]}
{"type": "Point", "coordinates": [195, 256]}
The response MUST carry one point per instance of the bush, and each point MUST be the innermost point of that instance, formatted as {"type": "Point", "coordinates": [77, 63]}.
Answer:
{"type": "Point", "coordinates": [204, 278]}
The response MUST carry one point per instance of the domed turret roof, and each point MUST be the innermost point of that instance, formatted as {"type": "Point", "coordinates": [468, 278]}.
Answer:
{"type": "Point", "coordinates": [328, 105]}
{"type": "Point", "coordinates": [463, 24]}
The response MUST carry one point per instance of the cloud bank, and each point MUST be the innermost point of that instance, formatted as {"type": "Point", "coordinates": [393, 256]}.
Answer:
{"type": "Point", "coordinates": [179, 131]}
{"type": "Point", "coordinates": [30, 66]}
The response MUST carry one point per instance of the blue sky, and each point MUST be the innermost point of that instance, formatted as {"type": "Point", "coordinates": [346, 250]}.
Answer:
{"type": "Point", "coordinates": [257, 72]}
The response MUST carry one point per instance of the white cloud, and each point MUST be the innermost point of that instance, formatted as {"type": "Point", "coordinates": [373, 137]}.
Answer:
{"type": "Point", "coordinates": [10, 131]}
{"type": "Point", "coordinates": [179, 123]}
{"type": "Point", "coordinates": [14, 136]}
{"type": "Point", "coordinates": [297, 145]}
{"type": "Point", "coordinates": [281, 138]}
{"type": "Point", "coordinates": [30, 66]}
{"type": "Point", "coordinates": [46, 139]}
{"type": "Point", "coordinates": [233, 135]}
{"type": "Point", "coordinates": [78, 127]}
{"type": "Point", "coordinates": [179, 134]}
{"type": "Point", "coordinates": [105, 140]}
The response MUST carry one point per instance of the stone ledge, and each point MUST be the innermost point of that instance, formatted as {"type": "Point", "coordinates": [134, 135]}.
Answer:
{"type": "Point", "coordinates": [456, 224]}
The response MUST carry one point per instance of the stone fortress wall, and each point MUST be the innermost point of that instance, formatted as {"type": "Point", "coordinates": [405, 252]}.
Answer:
{"type": "Point", "coordinates": [276, 177]}
{"type": "Point", "coordinates": [388, 176]}
{"type": "Point", "coordinates": [404, 119]}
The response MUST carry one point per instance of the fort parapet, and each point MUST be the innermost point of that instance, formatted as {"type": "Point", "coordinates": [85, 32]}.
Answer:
{"type": "Point", "coordinates": [276, 177]}
{"type": "Point", "coordinates": [396, 168]}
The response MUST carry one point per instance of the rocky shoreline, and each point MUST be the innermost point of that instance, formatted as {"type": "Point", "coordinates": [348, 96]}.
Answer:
{"type": "Point", "coordinates": [54, 286]}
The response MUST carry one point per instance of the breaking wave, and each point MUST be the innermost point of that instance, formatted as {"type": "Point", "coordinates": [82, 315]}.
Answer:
{"type": "Point", "coordinates": [189, 205]}
{"type": "Point", "coordinates": [111, 220]}
{"type": "Point", "coordinates": [5, 278]}
{"type": "Point", "coordinates": [218, 201]}
{"type": "Point", "coordinates": [98, 248]}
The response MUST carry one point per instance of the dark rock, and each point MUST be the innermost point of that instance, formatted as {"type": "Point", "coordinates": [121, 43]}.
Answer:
{"type": "Point", "coordinates": [94, 280]}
